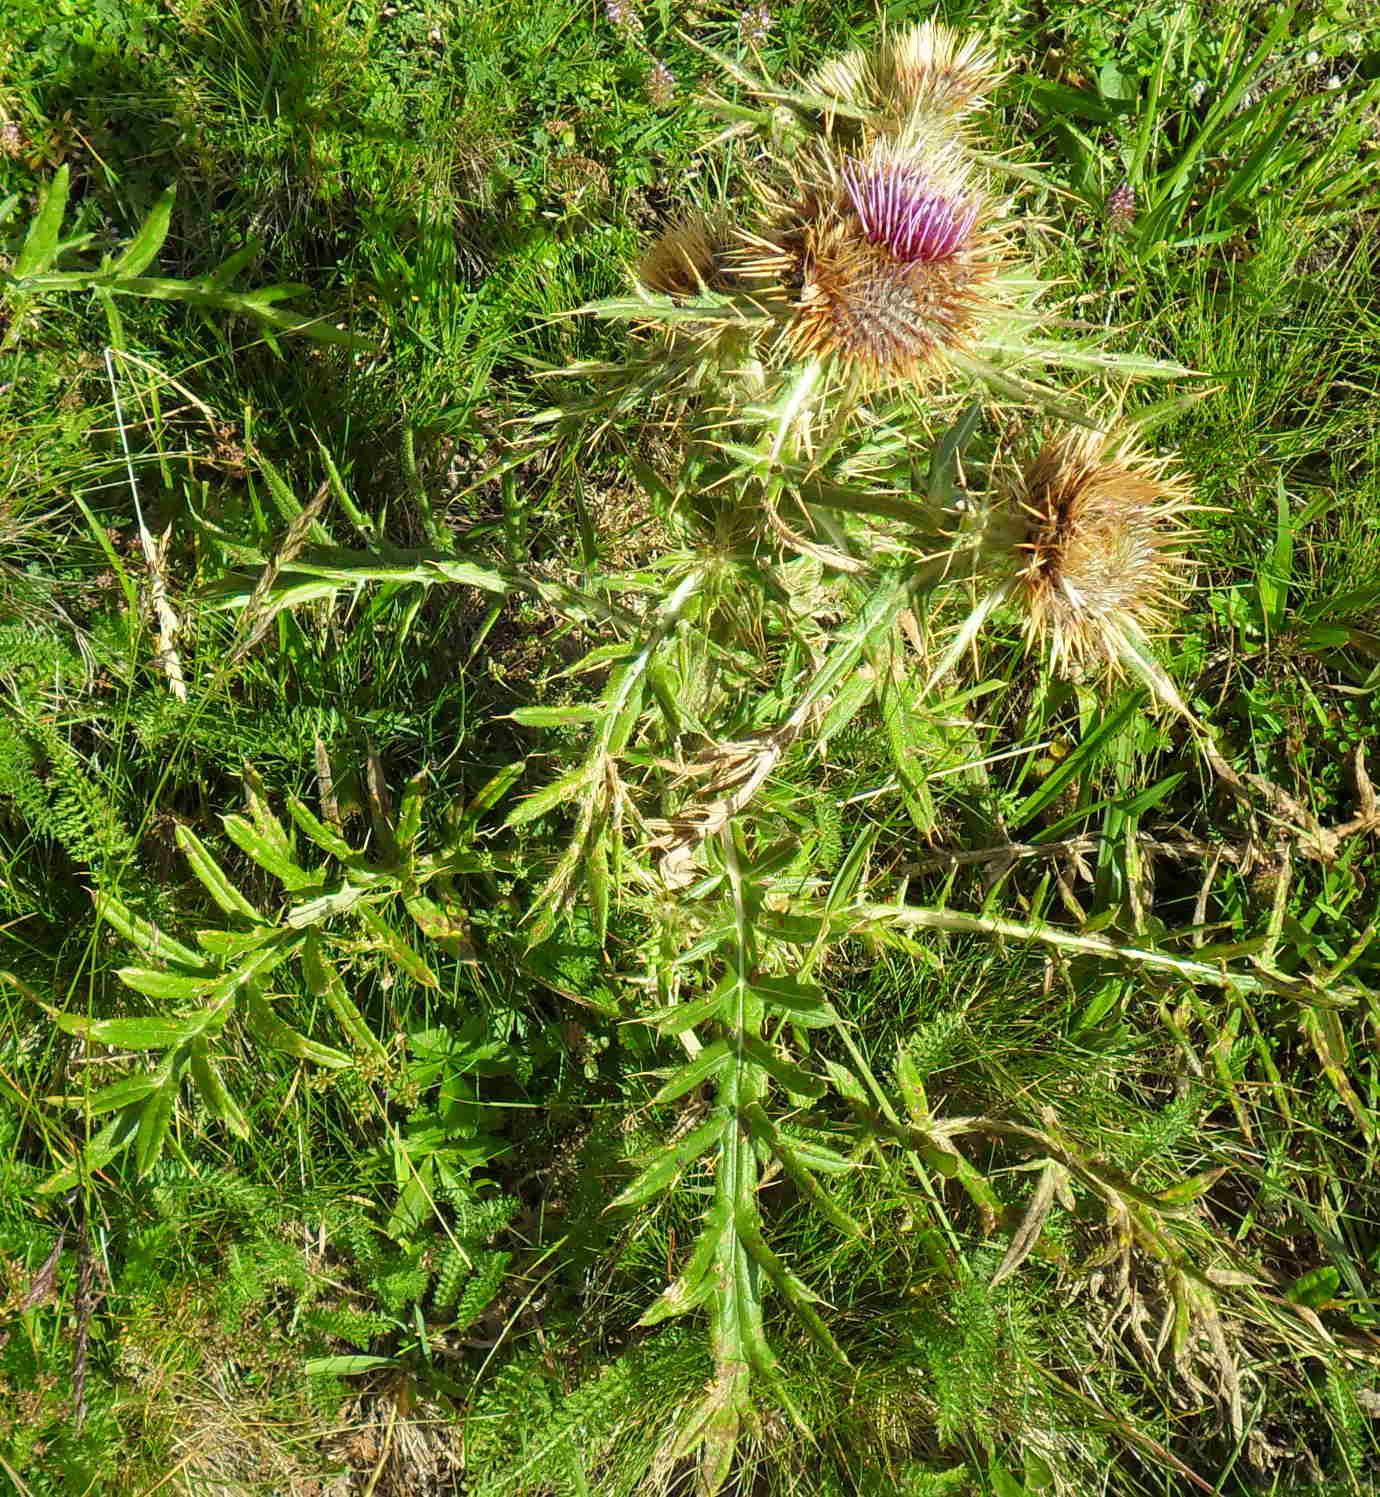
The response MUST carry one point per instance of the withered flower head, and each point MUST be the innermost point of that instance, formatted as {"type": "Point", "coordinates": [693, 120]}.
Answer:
{"type": "Point", "coordinates": [925, 70]}
{"type": "Point", "coordinates": [929, 66]}
{"type": "Point", "coordinates": [888, 262]}
{"type": "Point", "coordinates": [1103, 546]}
{"type": "Point", "coordinates": [688, 259]}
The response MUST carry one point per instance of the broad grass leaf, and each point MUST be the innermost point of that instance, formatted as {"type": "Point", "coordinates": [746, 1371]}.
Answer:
{"type": "Point", "coordinates": [1081, 761]}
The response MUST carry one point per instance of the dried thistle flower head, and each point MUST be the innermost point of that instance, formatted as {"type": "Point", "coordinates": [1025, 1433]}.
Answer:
{"type": "Point", "coordinates": [925, 70]}
{"type": "Point", "coordinates": [688, 259]}
{"type": "Point", "coordinates": [1103, 546]}
{"type": "Point", "coordinates": [930, 67]}
{"type": "Point", "coordinates": [887, 260]}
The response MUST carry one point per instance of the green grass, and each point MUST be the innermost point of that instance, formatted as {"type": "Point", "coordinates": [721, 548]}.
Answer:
{"type": "Point", "coordinates": [401, 989]}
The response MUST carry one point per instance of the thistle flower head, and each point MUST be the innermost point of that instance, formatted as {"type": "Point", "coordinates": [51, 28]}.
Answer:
{"type": "Point", "coordinates": [1102, 548]}
{"type": "Point", "coordinates": [688, 259]}
{"type": "Point", "coordinates": [899, 209]}
{"type": "Point", "coordinates": [925, 71]}
{"type": "Point", "coordinates": [1121, 207]}
{"type": "Point", "coordinates": [884, 260]}
{"type": "Point", "coordinates": [660, 85]}
{"type": "Point", "coordinates": [929, 66]}
{"type": "Point", "coordinates": [755, 23]}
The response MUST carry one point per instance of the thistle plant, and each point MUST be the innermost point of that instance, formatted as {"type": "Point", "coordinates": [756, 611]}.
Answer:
{"type": "Point", "coordinates": [827, 381]}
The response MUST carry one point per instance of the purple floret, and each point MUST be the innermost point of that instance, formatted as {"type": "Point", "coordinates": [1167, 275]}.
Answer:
{"type": "Point", "coordinates": [897, 208]}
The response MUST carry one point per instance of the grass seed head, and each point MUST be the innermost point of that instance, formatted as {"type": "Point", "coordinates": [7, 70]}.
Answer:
{"type": "Point", "coordinates": [1102, 547]}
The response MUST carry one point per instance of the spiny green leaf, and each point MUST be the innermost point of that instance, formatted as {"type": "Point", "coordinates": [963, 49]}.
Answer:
{"type": "Point", "coordinates": [326, 838]}
{"type": "Point", "coordinates": [264, 1023]}
{"type": "Point", "coordinates": [156, 1112]}
{"type": "Point", "coordinates": [785, 1073]}
{"type": "Point", "coordinates": [168, 987]}
{"type": "Point", "coordinates": [212, 1090]}
{"type": "Point", "coordinates": [41, 242]}
{"type": "Point", "coordinates": [707, 1064]}
{"type": "Point", "coordinates": [670, 1161]}
{"type": "Point", "coordinates": [118, 1094]}
{"type": "Point", "coordinates": [762, 1128]}
{"type": "Point", "coordinates": [801, 1003]}
{"type": "Point", "coordinates": [325, 982]}
{"type": "Point", "coordinates": [152, 941]}
{"type": "Point", "coordinates": [126, 1034]}
{"type": "Point", "coordinates": [266, 851]}
{"type": "Point", "coordinates": [398, 949]}
{"type": "Point", "coordinates": [410, 814]}
{"type": "Point", "coordinates": [568, 788]}
{"type": "Point", "coordinates": [213, 877]}
{"type": "Point", "coordinates": [143, 249]}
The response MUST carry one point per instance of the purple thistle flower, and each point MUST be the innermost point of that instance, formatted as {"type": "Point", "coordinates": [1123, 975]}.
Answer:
{"type": "Point", "coordinates": [898, 209]}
